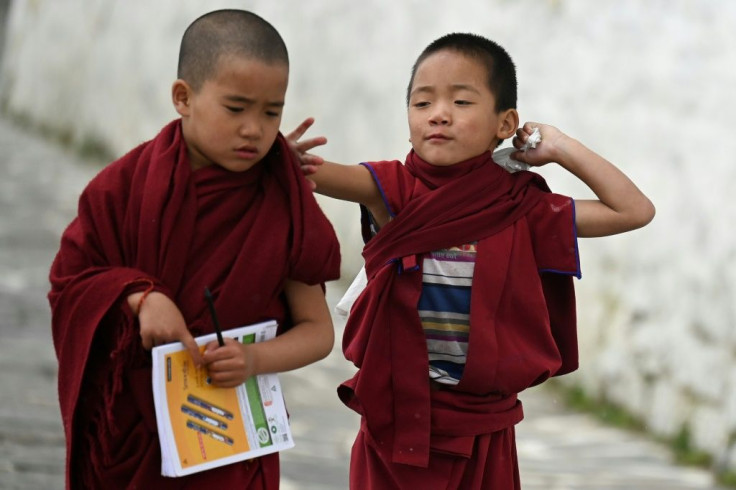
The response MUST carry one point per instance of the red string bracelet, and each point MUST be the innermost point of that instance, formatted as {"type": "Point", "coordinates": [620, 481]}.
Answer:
{"type": "Point", "coordinates": [146, 292]}
{"type": "Point", "coordinates": [143, 297]}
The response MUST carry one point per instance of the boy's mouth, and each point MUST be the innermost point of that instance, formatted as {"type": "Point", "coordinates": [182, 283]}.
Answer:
{"type": "Point", "coordinates": [437, 136]}
{"type": "Point", "coordinates": [246, 151]}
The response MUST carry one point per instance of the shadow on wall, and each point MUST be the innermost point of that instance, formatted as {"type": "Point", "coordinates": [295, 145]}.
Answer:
{"type": "Point", "coordinates": [4, 7]}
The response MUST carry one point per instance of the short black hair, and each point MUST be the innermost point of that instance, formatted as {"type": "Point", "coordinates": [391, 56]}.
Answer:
{"type": "Point", "coordinates": [226, 32]}
{"type": "Point", "coordinates": [495, 59]}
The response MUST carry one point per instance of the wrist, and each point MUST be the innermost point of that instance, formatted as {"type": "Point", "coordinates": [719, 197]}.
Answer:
{"type": "Point", "coordinates": [252, 359]}
{"type": "Point", "coordinates": [139, 290]}
{"type": "Point", "coordinates": [137, 300]}
{"type": "Point", "coordinates": [133, 300]}
{"type": "Point", "coordinates": [564, 150]}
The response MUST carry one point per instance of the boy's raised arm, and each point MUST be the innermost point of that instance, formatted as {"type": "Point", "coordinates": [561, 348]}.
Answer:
{"type": "Point", "coordinates": [620, 207]}
{"type": "Point", "coordinates": [346, 182]}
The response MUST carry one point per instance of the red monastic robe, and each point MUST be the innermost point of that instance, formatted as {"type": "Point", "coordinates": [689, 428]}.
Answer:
{"type": "Point", "coordinates": [149, 217]}
{"type": "Point", "coordinates": [522, 324]}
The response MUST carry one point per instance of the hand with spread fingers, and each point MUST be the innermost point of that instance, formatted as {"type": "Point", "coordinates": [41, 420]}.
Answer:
{"type": "Point", "coordinates": [309, 162]}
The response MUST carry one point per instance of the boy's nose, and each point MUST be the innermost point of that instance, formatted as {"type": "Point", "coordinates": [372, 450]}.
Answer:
{"type": "Point", "coordinates": [439, 116]}
{"type": "Point", "coordinates": [250, 129]}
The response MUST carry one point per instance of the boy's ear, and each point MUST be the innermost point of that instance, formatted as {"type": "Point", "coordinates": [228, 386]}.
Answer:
{"type": "Point", "coordinates": [181, 95]}
{"type": "Point", "coordinates": [508, 124]}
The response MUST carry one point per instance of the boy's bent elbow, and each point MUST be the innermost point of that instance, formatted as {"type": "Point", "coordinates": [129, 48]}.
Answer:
{"type": "Point", "coordinates": [639, 214]}
{"type": "Point", "coordinates": [322, 341]}
{"type": "Point", "coordinates": [327, 343]}
{"type": "Point", "coordinates": [322, 354]}
{"type": "Point", "coordinates": [645, 214]}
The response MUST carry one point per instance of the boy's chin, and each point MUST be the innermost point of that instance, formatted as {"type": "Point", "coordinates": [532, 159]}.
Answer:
{"type": "Point", "coordinates": [238, 167]}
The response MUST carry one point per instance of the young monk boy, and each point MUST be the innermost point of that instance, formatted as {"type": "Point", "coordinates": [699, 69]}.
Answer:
{"type": "Point", "coordinates": [215, 200]}
{"type": "Point", "coordinates": [469, 297]}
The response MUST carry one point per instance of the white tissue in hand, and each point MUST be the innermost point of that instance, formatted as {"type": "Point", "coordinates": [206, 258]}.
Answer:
{"type": "Point", "coordinates": [503, 156]}
{"type": "Point", "coordinates": [533, 139]}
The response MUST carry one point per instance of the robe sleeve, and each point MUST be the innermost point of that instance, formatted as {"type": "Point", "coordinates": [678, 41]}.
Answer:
{"type": "Point", "coordinates": [554, 241]}
{"type": "Point", "coordinates": [396, 187]}
{"type": "Point", "coordinates": [554, 236]}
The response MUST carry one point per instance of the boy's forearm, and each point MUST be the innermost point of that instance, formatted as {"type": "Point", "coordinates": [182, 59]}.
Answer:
{"type": "Point", "coordinates": [308, 340]}
{"type": "Point", "coordinates": [330, 179]}
{"type": "Point", "coordinates": [304, 344]}
{"type": "Point", "coordinates": [346, 182]}
{"type": "Point", "coordinates": [621, 206]}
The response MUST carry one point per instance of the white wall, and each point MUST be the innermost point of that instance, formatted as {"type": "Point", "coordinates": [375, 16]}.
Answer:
{"type": "Point", "coordinates": [647, 84]}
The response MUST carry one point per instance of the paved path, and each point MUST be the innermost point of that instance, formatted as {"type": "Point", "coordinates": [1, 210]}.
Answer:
{"type": "Point", "coordinates": [39, 183]}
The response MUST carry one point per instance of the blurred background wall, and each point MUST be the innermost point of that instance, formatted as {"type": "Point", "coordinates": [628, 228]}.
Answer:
{"type": "Point", "coordinates": [649, 85]}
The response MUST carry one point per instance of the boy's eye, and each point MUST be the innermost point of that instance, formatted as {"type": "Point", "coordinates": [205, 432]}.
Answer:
{"type": "Point", "coordinates": [463, 102]}
{"type": "Point", "coordinates": [234, 108]}
{"type": "Point", "coordinates": [273, 114]}
{"type": "Point", "coordinates": [421, 104]}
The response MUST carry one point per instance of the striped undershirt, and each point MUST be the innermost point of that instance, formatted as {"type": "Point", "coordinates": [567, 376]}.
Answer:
{"type": "Point", "coordinates": [444, 310]}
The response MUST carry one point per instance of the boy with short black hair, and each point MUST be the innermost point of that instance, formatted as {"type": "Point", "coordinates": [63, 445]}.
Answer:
{"type": "Point", "coordinates": [215, 200]}
{"type": "Point", "coordinates": [469, 299]}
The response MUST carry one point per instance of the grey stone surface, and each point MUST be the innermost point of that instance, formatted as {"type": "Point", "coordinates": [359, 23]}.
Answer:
{"type": "Point", "coordinates": [558, 449]}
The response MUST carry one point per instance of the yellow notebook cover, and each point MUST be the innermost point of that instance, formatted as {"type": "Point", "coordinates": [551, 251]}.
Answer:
{"type": "Point", "coordinates": [201, 426]}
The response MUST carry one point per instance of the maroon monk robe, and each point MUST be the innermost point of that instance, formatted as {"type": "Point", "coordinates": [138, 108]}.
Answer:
{"type": "Point", "coordinates": [522, 324]}
{"type": "Point", "coordinates": [149, 218]}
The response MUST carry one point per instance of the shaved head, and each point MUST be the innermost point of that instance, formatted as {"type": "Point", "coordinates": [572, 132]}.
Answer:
{"type": "Point", "coordinates": [226, 33]}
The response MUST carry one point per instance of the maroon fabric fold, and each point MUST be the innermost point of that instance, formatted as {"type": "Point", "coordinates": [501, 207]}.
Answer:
{"type": "Point", "coordinates": [517, 339]}
{"type": "Point", "coordinates": [149, 217]}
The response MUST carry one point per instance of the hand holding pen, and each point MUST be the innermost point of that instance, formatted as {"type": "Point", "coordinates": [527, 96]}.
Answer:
{"type": "Point", "coordinates": [227, 360]}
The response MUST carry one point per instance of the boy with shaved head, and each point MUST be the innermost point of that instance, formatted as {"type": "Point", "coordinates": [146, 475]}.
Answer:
{"type": "Point", "coordinates": [215, 200]}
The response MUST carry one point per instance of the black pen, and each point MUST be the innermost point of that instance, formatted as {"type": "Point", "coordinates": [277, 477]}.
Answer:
{"type": "Point", "coordinates": [215, 322]}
